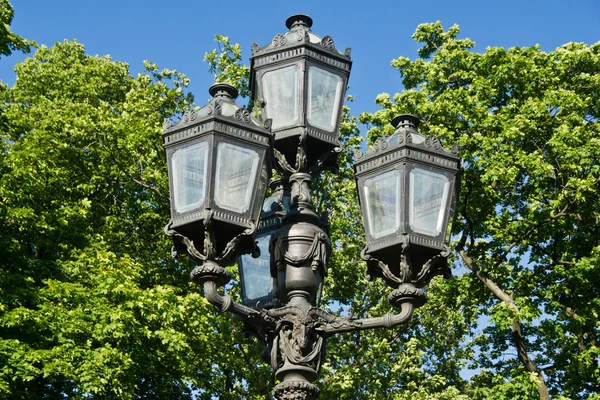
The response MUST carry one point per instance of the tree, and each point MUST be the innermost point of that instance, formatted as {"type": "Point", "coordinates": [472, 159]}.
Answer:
{"type": "Point", "coordinates": [10, 41]}
{"type": "Point", "coordinates": [529, 221]}
{"type": "Point", "coordinates": [87, 285]}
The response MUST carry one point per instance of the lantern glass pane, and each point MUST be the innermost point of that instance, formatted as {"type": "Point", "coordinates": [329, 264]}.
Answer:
{"type": "Point", "coordinates": [261, 191]}
{"type": "Point", "coordinates": [280, 92]}
{"type": "Point", "coordinates": [324, 96]}
{"type": "Point", "coordinates": [256, 272]}
{"type": "Point", "coordinates": [382, 195]}
{"type": "Point", "coordinates": [428, 197]}
{"type": "Point", "coordinates": [189, 169]}
{"type": "Point", "coordinates": [235, 175]}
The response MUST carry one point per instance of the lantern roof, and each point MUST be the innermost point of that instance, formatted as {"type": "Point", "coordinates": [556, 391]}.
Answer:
{"type": "Point", "coordinates": [221, 104]}
{"type": "Point", "coordinates": [407, 135]}
{"type": "Point", "coordinates": [300, 34]}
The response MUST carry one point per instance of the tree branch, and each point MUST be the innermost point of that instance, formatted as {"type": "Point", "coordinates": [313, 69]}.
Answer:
{"type": "Point", "coordinates": [517, 328]}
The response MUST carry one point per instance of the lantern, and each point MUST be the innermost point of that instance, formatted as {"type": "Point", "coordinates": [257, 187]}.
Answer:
{"type": "Point", "coordinates": [219, 166]}
{"type": "Point", "coordinates": [259, 287]}
{"type": "Point", "coordinates": [299, 81]}
{"type": "Point", "coordinates": [406, 187]}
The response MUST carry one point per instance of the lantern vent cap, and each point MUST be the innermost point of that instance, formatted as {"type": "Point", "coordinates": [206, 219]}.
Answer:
{"type": "Point", "coordinates": [222, 89]}
{"type": "Point", "coordinates": [299, 21]}
{"type": "Point", "coordinates": [222, 104]}
{"type": "Point", "coordinates": [406, 121]}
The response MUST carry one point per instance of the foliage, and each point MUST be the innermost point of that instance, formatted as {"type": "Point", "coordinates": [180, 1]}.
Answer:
{"type": "Point", "coordinates": [86, 283]}
{"type": "Point", "coordinates": [10, 41]}
{"type": "Point", "coordinates": [225, 65]}
{"type": "Point", "coordinates": [528, 229]}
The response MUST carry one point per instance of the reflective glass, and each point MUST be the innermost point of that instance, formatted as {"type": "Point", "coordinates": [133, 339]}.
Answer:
{"type": "Point", "coordinates": [428, 197]}
{"type": "Point", "coordinates": [235, 176]}
{"type": "Point", "coordinates": [280, 92]}
{"type": "Point", "coordinates": [189, 166]}
{"type": "Point", "coordinates": [256, 272]}
{"type": "Point", "coordinates": [382, 195]}
{"type": "Point", "coordinates": [261, 191]}
{"type": "Point", "coordinates": [324, 92]}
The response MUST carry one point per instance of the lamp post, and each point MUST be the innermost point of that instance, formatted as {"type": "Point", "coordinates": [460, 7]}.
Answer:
{"type": "Point", "coordinates": [218, 166]}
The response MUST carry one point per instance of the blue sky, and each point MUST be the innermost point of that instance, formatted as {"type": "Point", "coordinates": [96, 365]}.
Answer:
{"type": "Point", "coordinates": [176, 35]}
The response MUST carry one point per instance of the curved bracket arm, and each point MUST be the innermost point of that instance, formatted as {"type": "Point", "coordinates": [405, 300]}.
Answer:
{"type": "Point", "coordinates": [212, 275]}
{"type": "Point", "coordinates": [339, 325]}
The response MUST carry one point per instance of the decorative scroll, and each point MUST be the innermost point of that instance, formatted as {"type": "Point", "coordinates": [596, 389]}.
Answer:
{"type": "Point", "coordinates": [317, 253]}
{"type": "Point", "coordinates": [255, 48]}
{"type": "Point", "coordinates": [379, 145]}
{"type": "Point", "coordinates": [242, 114]}
{"type": "Point", "coordinates": [433, 141]}
{"type": "Point", "coordinates": [268, 124]}
{"type": "Point", "coordinates": [208, 252]}
{"type": "Point", "coordinates": [279, 40]}
{"type": "Point", "coordinates": [406, 274]}
{"type": "Point", "coordinates": [302, 35]}
{"type": "Point", "coordinates": [327, 43]}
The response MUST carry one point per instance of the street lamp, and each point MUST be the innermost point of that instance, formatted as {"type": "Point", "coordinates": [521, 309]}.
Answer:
{"type": "Point", "coordinates": [406, 187]}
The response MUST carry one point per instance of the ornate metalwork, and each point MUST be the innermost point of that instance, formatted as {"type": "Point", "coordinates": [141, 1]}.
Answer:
{"type": "Point", "coordinates": [279, 40]}
{"type": "Point", "coordinates": [268, 124]}
{"type": "Point", "coordinates": [242, 114]}
{"type": "Point", "coordinates": [433, 141]}
{"type": "Point", "coordinates": [302, 35]}
{"type": "Point", "coordinates": [379, 145]}
{"type": "Point", "coordinates": [296, 390]}
{"type": "Point", "coordinates": [327, 43]}
{"type": "Point", "coordinates": [406, 272]}
{"type": "Point", "coordinates": [208, 252]}
{"type": "Point", "coordinates": [218, 108]}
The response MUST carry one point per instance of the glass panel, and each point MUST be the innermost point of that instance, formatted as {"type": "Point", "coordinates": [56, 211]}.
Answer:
{"type": "Point", "coordinates": [235, 176]}
{"type": "Point", "coordinates": [382, 195]}
{"type": "Point", "coordinates": [280, 92]}
{"type": "Point", "coordinates": [261, 191]}
{"type": "Point", "coordinates": [256, 272]}
{"type": "Point", "coordinates": [428, 197]}
{"type": "Point", "coordinates": [324, 93]}
{"type": "Point", "coordinates": [452, 211]}
{"type": "Point", "coordinates": [189, 176]}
